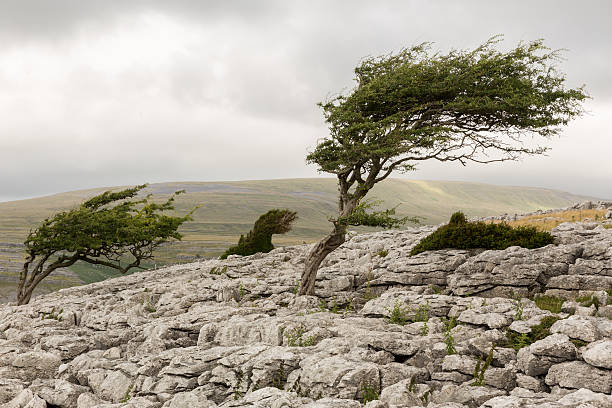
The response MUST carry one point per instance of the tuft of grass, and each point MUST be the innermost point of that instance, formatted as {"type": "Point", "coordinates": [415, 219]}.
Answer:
{"type": "Point", "coordinates": [578, 343]}
{"type": "Point", "coordinates": [295, 338]}
{"type": "Point", "coordinates": [550, 303]}
{"type": "Point", "coordinates": [588, 300]}
{"type": "Point", "coordinates": [479, 371]}
{"type": "Point", "coordinates": [398, 315]}
{"type": "Point", "coordinates": [449, 340]}
{"type": "Point", "coordinates": [517, 340]}
{"type": "Point", "coordinates": [368, 392]}
{"type": "Point", "coordinates": [382, 253]}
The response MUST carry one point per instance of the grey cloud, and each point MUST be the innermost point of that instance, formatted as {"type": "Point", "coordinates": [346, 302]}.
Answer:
{"type": "Point", "coordinates": [238, 100]}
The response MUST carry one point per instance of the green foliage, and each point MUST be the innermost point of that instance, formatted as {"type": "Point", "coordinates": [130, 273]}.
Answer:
{"type": "Point", "coordinates": [398, 315]}
{"type": "Point", "coordinates": [479, 371]}
{"type": "Point", "coordinates": [217, 270]}
{"type": "Point", "coordinates": [259, 239]}
{"type": "Point", "coordinates": [127, 396]}
{"type": "Point", "coordinates": [578, 343]}
{"type": "Point", "coordinates": [382, 253]}
{"type": "Point", "coordinates": [469, 235]}
{"type": "Point", "coordinates": [449, 340]}
{"type": "Point", "coordinates": [538, 332]}
{"type": "Point", "coordinates": [103, 230]}
{"type": "Point", "coordinates": [588, 301]}
{"type": "Point", "coordinates": [518, 307]}
{"type": "Point", "coordinates": [422, 313]}
{"type": "Point", "coordinates": [363, 214]}
{"type": "Point", "coordinates": [420, 104]}
{"type": "Point", "coordinates": [550, 303]}
{"type": "Point", "coordinates": [457, 218]}
{"type": "Point", "coordinates": [294, 338]}
{"type": "Point", "coordinates": [368, 392]}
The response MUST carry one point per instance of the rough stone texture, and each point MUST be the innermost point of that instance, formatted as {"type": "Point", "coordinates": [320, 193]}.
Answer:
{"type": "Point", "coordinates": [232, 333]}
{"type": "Point", "coordinates": [576, 374]}
{"type": "Point", "coordinates": [599, 354]}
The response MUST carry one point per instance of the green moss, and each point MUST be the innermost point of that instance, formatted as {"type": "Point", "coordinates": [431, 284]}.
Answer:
{"type": "Point", "coordinates": [579, 343]}
{"type": "Point", "coordinates": [467, 235]}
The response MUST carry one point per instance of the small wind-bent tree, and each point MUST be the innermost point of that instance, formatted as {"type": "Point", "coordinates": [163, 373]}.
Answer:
{"type": "Point", "coordinates": [259, 239]}
{"type": "Point", "coordinates": [464, 106]}
{"type": "Point", "coordinates": [104, 230]}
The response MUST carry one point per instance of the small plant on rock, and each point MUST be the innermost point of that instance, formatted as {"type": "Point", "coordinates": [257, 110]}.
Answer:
{"type": "Point", "coordinates": [550, 303]}
{"type": "Point", "coordinates": [449, 340]}
{"type": "Point", "coordinates": [460, 234]}
{"type": "Point", "coordinates": [538, 332]}
{"type": "Point", "coordinates": [295, 338]}
{"type": "Point", "coordinates": [588, 301]}
{"type": "Point", "coordinates": [397, 315]}
{"type": "Point", "coordinates": [368, 392]}
{"type": "Point", "coordinates": [479, 371]}
{"type": "Point", "coordinates": [53, 314]}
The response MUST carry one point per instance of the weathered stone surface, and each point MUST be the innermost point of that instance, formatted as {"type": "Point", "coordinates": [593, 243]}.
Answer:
{"type": "Point", "coordinates": [399, 395]}
{"type": "Point", "coordinates": [599, 354]}
{"type": "Point", "coordinates": [576, 374]}
{"type": "Point", "coordinates": [232, 333]}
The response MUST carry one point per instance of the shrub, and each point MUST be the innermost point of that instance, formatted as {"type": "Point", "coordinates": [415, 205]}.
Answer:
{"type": "Point", "coordinates": [461, 234]}
{"type": "Point", "coordinates": [259, 239]}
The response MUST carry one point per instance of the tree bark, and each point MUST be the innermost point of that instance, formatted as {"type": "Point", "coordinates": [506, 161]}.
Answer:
{"type": "Point", "coordinates": [317, 254]}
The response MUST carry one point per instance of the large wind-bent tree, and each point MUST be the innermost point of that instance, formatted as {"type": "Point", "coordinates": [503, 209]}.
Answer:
{"type": "Point", "coordinates": [464, 106]}
{"type": "Point", "coordinates": [105, 230]}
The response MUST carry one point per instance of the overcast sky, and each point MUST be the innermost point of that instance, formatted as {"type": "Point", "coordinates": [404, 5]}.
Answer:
{"type": "Point", "coordinates": [116, 92]}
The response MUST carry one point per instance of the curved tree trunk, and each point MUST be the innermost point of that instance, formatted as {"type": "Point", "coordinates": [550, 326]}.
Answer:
{"type": "Point", "coordinates": [316, 255]}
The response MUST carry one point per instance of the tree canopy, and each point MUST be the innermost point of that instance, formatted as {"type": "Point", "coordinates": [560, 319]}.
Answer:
{"type": "Point", "coordinates": [105, 230]}
{"type": "Point", "coordinates": [479, 105]}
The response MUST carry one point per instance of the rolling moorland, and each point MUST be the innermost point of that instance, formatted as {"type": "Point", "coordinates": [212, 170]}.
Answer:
{"type": "Point", "coordinates": [229, 209]}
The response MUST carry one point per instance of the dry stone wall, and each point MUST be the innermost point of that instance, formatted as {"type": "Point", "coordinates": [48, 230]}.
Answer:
{"type": "Point", "coordinates": [234, 334]}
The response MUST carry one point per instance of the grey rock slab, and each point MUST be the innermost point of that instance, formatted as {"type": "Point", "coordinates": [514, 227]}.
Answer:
{"type": "Point", "coordinates": [467, 395]}
{"type": "Point", "coordinates": [577, 374]}
{"type": "Point", "coordinates": [555, 345]}
{"type": "Point", "coordinates": [583, 396]}
{"type": "Point", "coordinates": [583, 328]}
{"type": "Point", "coordinates": [195, 398]}
{"type": "Point", "coordinates": [37, 364]}
{"type": "Point", "coordinates": [399, 395]}
{"type": "Point", "coordinates": [599, 354]}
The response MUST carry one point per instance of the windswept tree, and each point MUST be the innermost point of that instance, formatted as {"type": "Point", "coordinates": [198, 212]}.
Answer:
{"type": "Point", "coordinates": [465, 106]}
{"type": "Point", "coordinates": [259, 239]}
{"type": "Point", "coordinates": [109, 229]}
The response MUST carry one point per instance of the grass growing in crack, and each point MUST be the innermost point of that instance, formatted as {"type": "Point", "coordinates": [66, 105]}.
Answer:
{"type": "Point", "coordinates": [382, 253]}
{"type": "Point", "coordinates": [550, 303]}
{"type": "Point", "coordinates": [588, 300]}
{"type": "Point", "coordinates": [479, 371]}
{"type": "Point", "coordinates": [217, 270]}
{"type": "Point", "coordinates": [368, 392]}
{"type": "Point", "coordinates": [517, 340]}
{"type": "Point", "coordinates": [53, 314]}
{"type": "Point", "coordinates": [422, 315]}
{"type": "Point", "coordinates": [449, 340]}
{"type": "Point", "coordinates": [397, 315]}
{"type": "Point", "coordinates": [127, 395]}
{"type": "Point", "coordinates": [295, 338]}
{"type": "Point", "coordinates": [518, 306]}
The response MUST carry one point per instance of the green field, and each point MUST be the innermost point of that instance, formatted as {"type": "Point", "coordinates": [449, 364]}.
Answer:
{"type": "Point", "coordinates": [229, 209]}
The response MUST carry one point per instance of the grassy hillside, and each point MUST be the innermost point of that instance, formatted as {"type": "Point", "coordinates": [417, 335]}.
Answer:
{"type": "Point", "coordinates": [229, 209]}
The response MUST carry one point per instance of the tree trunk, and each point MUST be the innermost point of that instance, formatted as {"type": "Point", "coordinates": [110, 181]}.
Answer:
{"type": "Point", "coordinates": [323, 248]}
{"type": "Point", "coordinates": [24, 295]}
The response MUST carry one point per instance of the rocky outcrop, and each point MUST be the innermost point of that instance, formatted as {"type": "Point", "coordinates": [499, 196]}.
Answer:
{"type": "Point", "coordinates": [385, 330]}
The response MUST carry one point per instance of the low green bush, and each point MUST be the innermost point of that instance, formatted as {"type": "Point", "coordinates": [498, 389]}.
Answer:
{"type": "Point", "coordinates": [460, 234]}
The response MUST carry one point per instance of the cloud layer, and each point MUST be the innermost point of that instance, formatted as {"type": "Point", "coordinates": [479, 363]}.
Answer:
{"type": "Point", "coordinates": [116, 92]}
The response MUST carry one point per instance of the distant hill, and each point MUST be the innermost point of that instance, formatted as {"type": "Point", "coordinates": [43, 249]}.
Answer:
{"type": "Point", "coordinates": [229, 209]}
